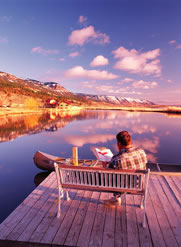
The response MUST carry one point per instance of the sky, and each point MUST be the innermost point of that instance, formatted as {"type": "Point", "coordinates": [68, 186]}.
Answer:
{"type": "Point", "coordinates": [125, 48]}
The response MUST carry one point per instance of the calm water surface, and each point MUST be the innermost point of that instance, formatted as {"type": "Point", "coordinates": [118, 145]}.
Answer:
{"type": "Point", "coordinates": [21, 137]}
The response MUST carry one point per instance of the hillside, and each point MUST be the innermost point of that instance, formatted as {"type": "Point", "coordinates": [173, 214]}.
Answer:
{"type": "Point", "coordinates": [14, 91]}
{"type": "Point", "coordinates": [12, 87]}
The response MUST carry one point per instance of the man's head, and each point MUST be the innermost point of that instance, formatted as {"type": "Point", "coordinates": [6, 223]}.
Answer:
{"type": "Point", "coordinates": [123, 139]}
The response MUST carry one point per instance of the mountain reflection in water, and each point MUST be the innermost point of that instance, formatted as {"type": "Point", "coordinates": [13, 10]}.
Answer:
{"type": "Point", "coordinates": [12, 127]}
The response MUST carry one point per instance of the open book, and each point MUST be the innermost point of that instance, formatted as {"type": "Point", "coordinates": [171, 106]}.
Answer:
{"type": "Point", "coordinates": [103, 154]}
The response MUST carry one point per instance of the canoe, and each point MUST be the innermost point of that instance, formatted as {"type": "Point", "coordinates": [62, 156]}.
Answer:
{"type": "Point", "coordinates": [46, 161]}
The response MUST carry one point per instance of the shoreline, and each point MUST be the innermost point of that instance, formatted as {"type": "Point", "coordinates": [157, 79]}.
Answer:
{"type": "Point", "coordinates": [22, 111]}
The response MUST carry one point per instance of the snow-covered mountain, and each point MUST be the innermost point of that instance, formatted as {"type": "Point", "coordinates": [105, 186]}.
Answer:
{"type": "Point", "coordinates": [116, 100]}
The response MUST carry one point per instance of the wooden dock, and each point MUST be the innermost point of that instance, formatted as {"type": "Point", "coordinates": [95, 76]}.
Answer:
{"type": "Point", "coordinates": [86, 221]}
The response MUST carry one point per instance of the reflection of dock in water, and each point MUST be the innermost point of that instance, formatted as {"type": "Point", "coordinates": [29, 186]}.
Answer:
{"type": "Point", "coordinates": [86, 221]}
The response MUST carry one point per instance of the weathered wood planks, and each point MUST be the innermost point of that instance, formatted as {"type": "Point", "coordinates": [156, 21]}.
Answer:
{"type": "Point", "coordinates": [86, 221]}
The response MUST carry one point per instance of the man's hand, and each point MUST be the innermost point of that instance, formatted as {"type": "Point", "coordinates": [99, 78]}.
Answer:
{"type": "Point", "coordinates": [104, 164]}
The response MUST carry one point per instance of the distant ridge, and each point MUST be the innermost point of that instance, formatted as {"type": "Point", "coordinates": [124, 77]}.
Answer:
{"type": "Point", "coordinates": [116, 100]}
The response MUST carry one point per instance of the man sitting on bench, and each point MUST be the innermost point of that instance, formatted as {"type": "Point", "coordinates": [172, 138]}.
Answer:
{"type": "Point", "coordinates": [129, 157]}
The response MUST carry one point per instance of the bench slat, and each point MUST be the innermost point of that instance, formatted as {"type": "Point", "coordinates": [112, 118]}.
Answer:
{"type": "Point", "coordinates": [106, 180]}
{"type": "Point", "coordinates": [118, 180]}
{"type": "Point", "coordinates": [93, 178]}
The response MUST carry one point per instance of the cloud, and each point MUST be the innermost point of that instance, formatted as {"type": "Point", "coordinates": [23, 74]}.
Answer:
{"type": "Point", "coordinates": [149, 145]}
{"type": "Point", "coordinates": [82, 19]}
{"type": "Point", "coordinates": [127, 80]}
{"type": "Point", "coordinates": [87, 34]}
{"type": "Point", "coordinates": [62, 59]}
{"type": "Point", "coordinates": [79, 141]}
{"type": "Point", "coordinates": [99, 61]}
{"type": "Point", "coordinates": [140, 129]}
{"type": "Point", "coordinates": [178, 47]}
{"type": "Point", "coordinates": [44, 52]}
{"type": "Point", "coordinates": [144, 84]}
{"type": "Point", "coordinates": [109, 89]}
{"type": "Point", "coordinates": [5, 18]}
{"type": "Point", "coordinates": [171, 42]}
{"type": "Point", "coordinates": [135, 62]}
{"type": "Point", "coordinates": [80, 72]}
{"type": "Point", "coordinates": [3, 40]}
{"type": "Point", "coordinates": [74, 54]}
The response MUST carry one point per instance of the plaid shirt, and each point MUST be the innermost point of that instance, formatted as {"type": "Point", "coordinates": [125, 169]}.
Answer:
{"type": "Point", "coordinates": [129, 158]}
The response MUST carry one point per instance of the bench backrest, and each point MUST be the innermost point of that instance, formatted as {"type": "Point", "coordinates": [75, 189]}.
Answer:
{"type": "Point", "coordinates": [100, 179]}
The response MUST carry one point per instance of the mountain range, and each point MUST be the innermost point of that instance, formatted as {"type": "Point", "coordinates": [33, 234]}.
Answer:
{"type": "Point", "coordinates": [116, 100]}
{"type": "Point", "coordinates": [35, 88]}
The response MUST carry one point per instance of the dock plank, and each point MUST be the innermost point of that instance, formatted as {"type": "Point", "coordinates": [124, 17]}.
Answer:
{"type": "Point", "coordinates": [109, 227]}
{"type": "Point", "coordinates": [98, 227]}
{"type": "Point", "coordinates": [65, 226]}
{"type": "Point", "coordinates": [76, 226]}
{"type": "Point", "coordinates": [177, 183]}
{"type": "Point", "coordinates": [83, 240]}
{"type": "Point", "coordinates": [54, 222]}
{"type": "Point", "coordinates": [132, 229]}
{"type": "Point", "coordinates": [174, 188]}
{"type": "Point", "coordinates": [168, 235]}
{"type": "Point", "coordinates": [153, 224]}
{"type": "Point", "coordinates": [171, 197]}
{"type": "Point", "coordinates": [121, 224]}
{"type": "Point", "coordinates": [50, 216]}
{"type": "Point", "coordinates": [144, 233]}
{"type": "Point", "coordinates": [36, 220]}
{"type": "Point", "coordinates": [169, 211]}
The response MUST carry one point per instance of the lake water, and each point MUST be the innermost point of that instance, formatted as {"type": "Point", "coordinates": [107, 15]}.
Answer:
{"type": "Point", "coordinates": [57, 133]}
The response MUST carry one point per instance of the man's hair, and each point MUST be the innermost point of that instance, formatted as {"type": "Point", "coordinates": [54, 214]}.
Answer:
{"type": "Point", "coordinates": [124, 138]}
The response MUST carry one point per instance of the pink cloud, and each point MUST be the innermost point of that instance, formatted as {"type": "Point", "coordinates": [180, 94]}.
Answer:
{"type": "Point", "coordinates": [178, 46]}
{"type": "Point", "coordinates": [62, 59]}
{"type": "Point", "coordinates": [74, 54]}
{"type": "Point", "coordinates": [134, 61]}
{"type": "Point", "coordinates": [140, 129]}
{"type": "Point", "coordinates": [99, 61]}
{"type": "Point", "coordinates": [171, 42]}
{"type": "Point", "coordinates": [82, 19]}
{"type": "Point", "coordinates": [149, 145]}
{"type": "Point", "coordinates": [82, 36]}
{"type": "Point", "coordinates": [44, 52]}
{"type": "Point", "coordinates": [144, 84]}
{"type": "Point", "coordinates": [79, 141]}
{"type": "Point", "coordinates": [109, 89]}
{"type": "Point", "coordinates": [80, 72]}
{"type": "Point", "coordinates": [127, 80]}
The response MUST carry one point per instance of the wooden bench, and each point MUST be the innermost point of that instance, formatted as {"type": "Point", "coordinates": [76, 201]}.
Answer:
{"type": "Point", "coordinates": [102, 180]}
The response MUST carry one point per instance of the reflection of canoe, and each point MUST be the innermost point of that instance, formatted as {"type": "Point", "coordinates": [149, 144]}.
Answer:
{"type": "Point", "coordinates": [39, 177]}
{"type": "Point", "coordinates": [46, 161]}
